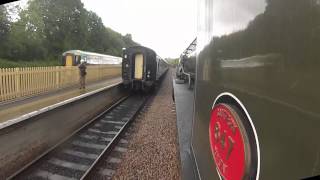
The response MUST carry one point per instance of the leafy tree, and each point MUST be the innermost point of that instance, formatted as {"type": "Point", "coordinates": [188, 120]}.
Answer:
{"type": "Point", "coordinates": [64, 24]}
{"type": "Point", "coordinates": [4, 23]}
{"type": "Point", "coordinates": [27, 36]}
{"type": "Point", "coordinates": [47, 28]}
{"type": "Point", "coordinates": [128, 40]}
{"type": "Point", "coordinates": [96, 34]}
{"type": "Point", "coordinates": [4, 27]}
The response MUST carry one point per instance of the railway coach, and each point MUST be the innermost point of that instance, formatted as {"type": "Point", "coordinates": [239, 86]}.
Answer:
{"type": "Point", "coordinates": [257, 97]}
{"type": "Point", "coordinates": [73, 58]}
{"type": "Point", "coordinates": [142, 68]}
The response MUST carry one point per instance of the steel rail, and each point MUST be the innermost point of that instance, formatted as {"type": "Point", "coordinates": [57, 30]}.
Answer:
{"type": "Point", "coordinates": [67, 138]}
{"type": "Point", "coordinates": [112, 143]}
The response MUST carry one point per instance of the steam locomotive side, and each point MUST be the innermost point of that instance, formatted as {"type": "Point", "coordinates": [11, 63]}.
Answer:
{"type": "Point", "coordinates": [257, 97]}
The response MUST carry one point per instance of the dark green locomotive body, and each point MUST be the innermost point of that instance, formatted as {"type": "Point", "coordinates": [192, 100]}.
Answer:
{"type": "Point", "coordinates": [263, 59]}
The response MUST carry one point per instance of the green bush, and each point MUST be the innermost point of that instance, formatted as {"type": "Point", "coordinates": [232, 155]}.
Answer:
{"type": "Point", "coordinates": [36, 63]}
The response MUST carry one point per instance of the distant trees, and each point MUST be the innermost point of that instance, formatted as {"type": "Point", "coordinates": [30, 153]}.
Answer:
{"type": "Point", "coordinates": [4, 23]}
{"type": "Point", "coordinates": [46, 28]}
{"type": "Point", "coordinates": [4, 28]}
{"type": "Point", "coordinates": [172, 61]}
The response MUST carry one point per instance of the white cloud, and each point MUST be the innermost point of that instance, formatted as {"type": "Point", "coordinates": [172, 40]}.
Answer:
{"type": "Point", "coordinates": [167, 26]}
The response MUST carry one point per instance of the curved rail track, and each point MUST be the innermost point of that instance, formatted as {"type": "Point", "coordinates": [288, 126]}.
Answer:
{"type": "Point", "coordinates": [76, 157]}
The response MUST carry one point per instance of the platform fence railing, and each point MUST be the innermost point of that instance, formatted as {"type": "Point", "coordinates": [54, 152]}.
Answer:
{"type": "Point", "coordinates": [30, 81]}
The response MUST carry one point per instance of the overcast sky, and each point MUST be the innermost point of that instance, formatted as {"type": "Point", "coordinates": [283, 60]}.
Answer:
{"type": "Point", "coordinates": [169, 26]}
{"type": "Point", "coordinates": [166, 26]}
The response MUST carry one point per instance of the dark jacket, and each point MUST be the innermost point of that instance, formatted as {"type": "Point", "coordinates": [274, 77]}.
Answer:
{"type": "Point", "coordinates": [82, 69]}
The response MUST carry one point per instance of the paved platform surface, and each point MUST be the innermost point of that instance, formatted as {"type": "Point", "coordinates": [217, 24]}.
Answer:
{"type": "Point", "coordinates": [17, 108]}
{"type": "Point", "coordinates": [184, 99]}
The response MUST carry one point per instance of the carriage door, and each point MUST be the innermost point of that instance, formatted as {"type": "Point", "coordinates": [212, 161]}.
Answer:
{"type": "Point", "coordinates": [138, 66]}
{"type": "Point", "coordinates": [69, 60]}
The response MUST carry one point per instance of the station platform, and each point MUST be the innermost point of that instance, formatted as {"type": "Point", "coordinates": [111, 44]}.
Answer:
{"type": "Point", "coordinates": [184, 99]}
{"type": "Point", "coordinates": [14, 109]}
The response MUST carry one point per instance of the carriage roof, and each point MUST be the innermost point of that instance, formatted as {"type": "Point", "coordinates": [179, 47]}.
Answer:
{"type": "Point", "coordinates": [85, 53]}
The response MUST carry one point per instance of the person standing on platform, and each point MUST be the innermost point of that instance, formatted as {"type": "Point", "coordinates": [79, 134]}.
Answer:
{"type": "Point", "coordinates": [82, 72]}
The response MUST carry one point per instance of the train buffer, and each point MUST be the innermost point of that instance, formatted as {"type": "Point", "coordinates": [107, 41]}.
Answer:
{"type": "Point", "coordinates": [14, 109]}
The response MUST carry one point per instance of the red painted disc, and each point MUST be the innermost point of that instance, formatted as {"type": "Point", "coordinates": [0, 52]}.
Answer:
{"type": "Point", "coordinates": [227, 143]}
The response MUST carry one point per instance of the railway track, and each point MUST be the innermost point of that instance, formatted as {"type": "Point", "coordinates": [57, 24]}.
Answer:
{"type": "Point", "coordinates": [78, 155]}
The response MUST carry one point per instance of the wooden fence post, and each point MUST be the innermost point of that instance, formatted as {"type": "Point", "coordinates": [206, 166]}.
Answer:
{"type": "Point", "coordinates": [57, 72]}
{"type": "Point", "coordinates": [17, 82]}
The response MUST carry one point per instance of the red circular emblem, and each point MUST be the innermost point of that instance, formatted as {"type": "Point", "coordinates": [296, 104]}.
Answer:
{"type": "Point", "coordinates": [227, 142]}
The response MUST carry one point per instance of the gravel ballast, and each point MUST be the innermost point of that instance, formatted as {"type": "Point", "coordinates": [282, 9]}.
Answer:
{"type": "Point", "coordinates": [153, 147]}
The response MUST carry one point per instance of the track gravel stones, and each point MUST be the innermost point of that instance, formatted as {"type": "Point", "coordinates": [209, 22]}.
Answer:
{"type": "Point", "coordinates": [153, 148]}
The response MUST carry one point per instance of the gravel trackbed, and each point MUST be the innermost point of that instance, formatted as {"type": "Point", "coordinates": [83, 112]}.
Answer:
{"type": "Point", "coordinates": [153, 147]}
